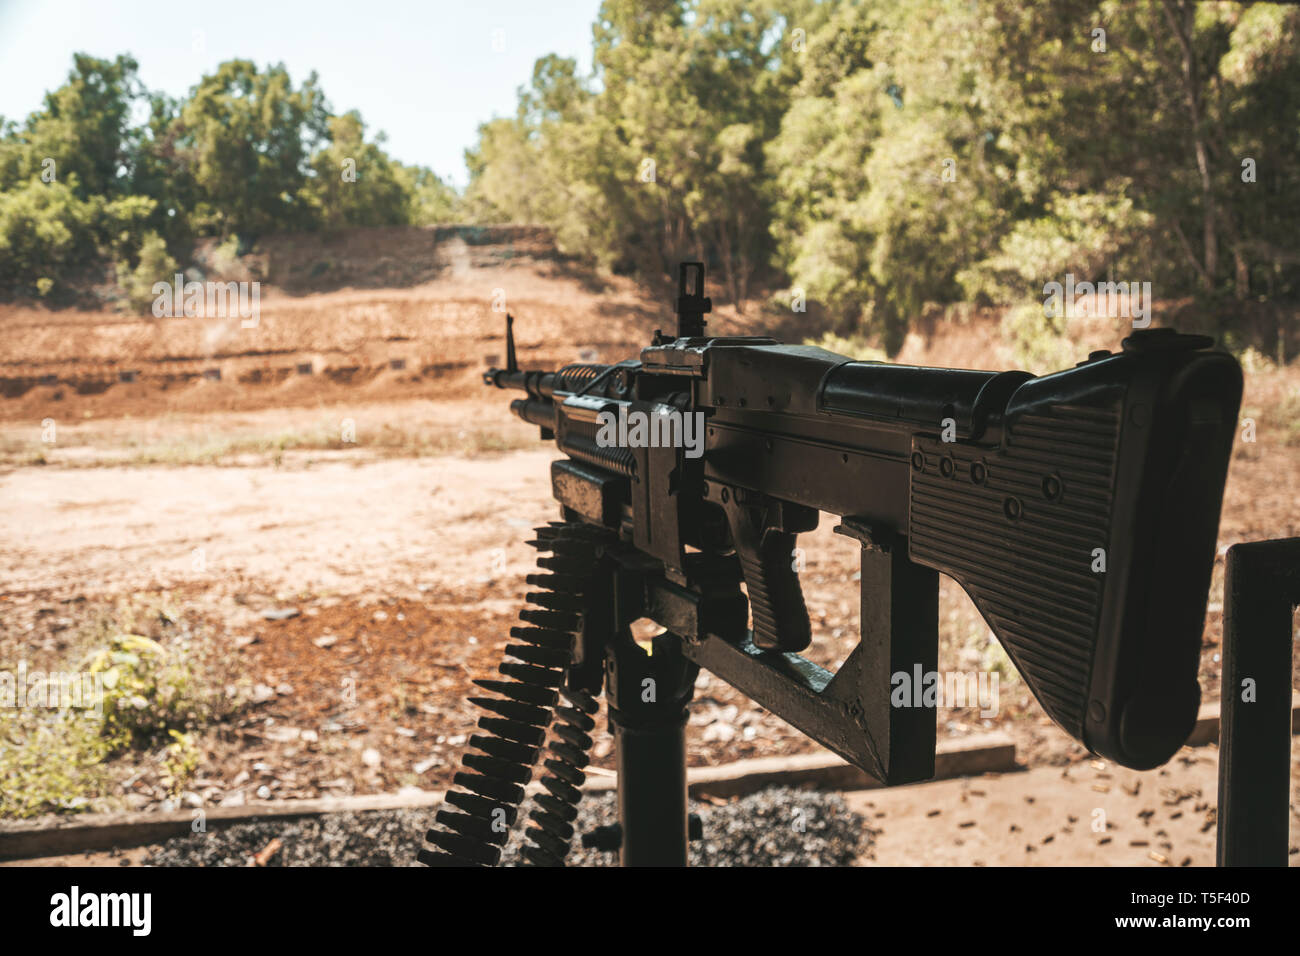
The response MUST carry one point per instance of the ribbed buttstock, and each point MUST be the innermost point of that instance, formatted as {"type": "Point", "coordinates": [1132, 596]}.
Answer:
{"type": "Point", "coordinates": [1017, 527]}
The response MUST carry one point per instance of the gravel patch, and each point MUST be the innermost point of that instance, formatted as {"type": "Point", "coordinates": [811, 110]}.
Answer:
{"type": "Point", "coordinates": [780, 826]}
{"type": "Point", "coordinates": [370, 838]}
{"type": "Point", "coordinates": [775, 827]}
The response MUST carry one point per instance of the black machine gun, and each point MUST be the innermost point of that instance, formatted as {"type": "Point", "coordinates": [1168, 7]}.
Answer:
{"type": "Point", "coordinates": [1079, 510]}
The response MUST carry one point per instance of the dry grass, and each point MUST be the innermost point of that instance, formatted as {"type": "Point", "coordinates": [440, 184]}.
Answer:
{"type": "Point", "coordinates": [364, 431]}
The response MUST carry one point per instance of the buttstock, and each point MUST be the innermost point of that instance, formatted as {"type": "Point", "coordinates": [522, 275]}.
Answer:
{"type": "Point", "coordinates": [1087, 537]}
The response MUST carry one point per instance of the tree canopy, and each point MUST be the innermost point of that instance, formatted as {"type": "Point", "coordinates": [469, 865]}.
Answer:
{"type": "Point", "coordinates": [886, 154]}
{"type": "Point", "coordinates": [108, 170]}
{"type": "Point", "coordinates": [872, 157]}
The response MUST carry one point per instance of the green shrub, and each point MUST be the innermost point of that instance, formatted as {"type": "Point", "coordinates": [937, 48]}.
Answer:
{"type": "Point", "coordinates": [147, 692]}
{"type": "Point", "coordinates": [122, 225]}
{"type": "Point", "coordinates": [58, 759]}
{"type": "Point", "coordinates": [50, 761]}
{"type": "Point", "coordinates": [1079, 234]}
{"type": "Point", "coordinates": [154, 265]}
{"type": "Point", "coordinates": [1037, 342]}
{"type": "Point", "coordinates": [179, 763]}
{"type": "Point", "coordinates": [45, 230]}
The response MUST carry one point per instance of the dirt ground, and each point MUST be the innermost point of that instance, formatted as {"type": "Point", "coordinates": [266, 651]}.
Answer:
{"type": "Point", "coordinates": [353, 532]}
{"type": "Point", "coordinates": [1087, 813]}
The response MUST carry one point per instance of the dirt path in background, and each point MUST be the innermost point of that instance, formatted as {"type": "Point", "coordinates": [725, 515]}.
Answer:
{"type": "Point", "coordinates": [335, 527]}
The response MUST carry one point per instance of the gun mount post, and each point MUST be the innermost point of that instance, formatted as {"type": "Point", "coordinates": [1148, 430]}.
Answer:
{"type": "Point", "coordinates": [850, 711]}
{"type": "Point", "coordinates": [648, 694]}
{"type": "Point", "coordinates": [1261, 591]}
{"type": "Point", "coordinates": [899, 634]}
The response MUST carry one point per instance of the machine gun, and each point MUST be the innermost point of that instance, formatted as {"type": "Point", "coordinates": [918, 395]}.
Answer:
{"type": "Point", "coordinates": [1079, 511]}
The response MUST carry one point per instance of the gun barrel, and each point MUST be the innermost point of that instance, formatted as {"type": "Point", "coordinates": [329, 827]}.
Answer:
{"type": "Point", "coordinates": [537, 384]}
{"type": "Point", "coordinates": [545, 389]}
{"type": "Point", "coordinates": [535, 411]}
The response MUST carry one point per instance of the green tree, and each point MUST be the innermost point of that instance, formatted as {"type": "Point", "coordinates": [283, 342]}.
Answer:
{"type": "Point", "coordinates": [246, 137]}
{"type": "Point", "coordinates": [431, 202]}
{"type": "Point", "coordinates": [354, 183]}
{"type": "Point", "coordinates": [659, 155]}
{"type": "Point", "coordinates": [46, 231]}
{"type": "Point", "coordinates": [84, 129]}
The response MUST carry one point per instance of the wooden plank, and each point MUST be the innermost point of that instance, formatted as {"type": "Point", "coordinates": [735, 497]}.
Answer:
{"type": "Point", "coordinates": [964, 756]}
{"type": "Point", "coordinates": [979, 753]}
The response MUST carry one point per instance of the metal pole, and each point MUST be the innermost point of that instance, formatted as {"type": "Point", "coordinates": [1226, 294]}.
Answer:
{"type": "Point", "coordinates": [648, 694]}
{"type": "Point", "coordinates": [1261, 590]}
{"type": "Point", "coordinates": [652, 793]}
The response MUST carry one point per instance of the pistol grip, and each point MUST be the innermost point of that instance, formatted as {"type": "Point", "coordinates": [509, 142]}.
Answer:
{"type": "Point", "coordinates": [764, 536]}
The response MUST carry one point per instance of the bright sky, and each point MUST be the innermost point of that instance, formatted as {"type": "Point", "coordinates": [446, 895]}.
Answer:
{"type": "Point", "coordinates": [426, 73]}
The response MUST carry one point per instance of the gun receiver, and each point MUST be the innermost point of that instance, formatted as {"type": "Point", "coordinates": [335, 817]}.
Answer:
{"type": "Point", "coordinates": [1079, 510]}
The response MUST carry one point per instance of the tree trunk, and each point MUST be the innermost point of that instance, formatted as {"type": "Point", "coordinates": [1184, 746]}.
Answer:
{"type": "Point", "coordinates": [1181, 17]}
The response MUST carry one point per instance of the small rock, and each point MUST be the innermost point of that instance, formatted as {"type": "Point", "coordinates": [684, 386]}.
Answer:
{"type": "Point", "coordinates": [370, 757]}
{"type": "Point", "coordinates": [719, 732]}
{"type": "Point", "coordinates": [281, 613]}
{"type": "Point", "coordinates": [326, 640]}
{"type": "Point", "coordinates": [426, 765]}
{"type": "Point", "coordinates": [264, 792]}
